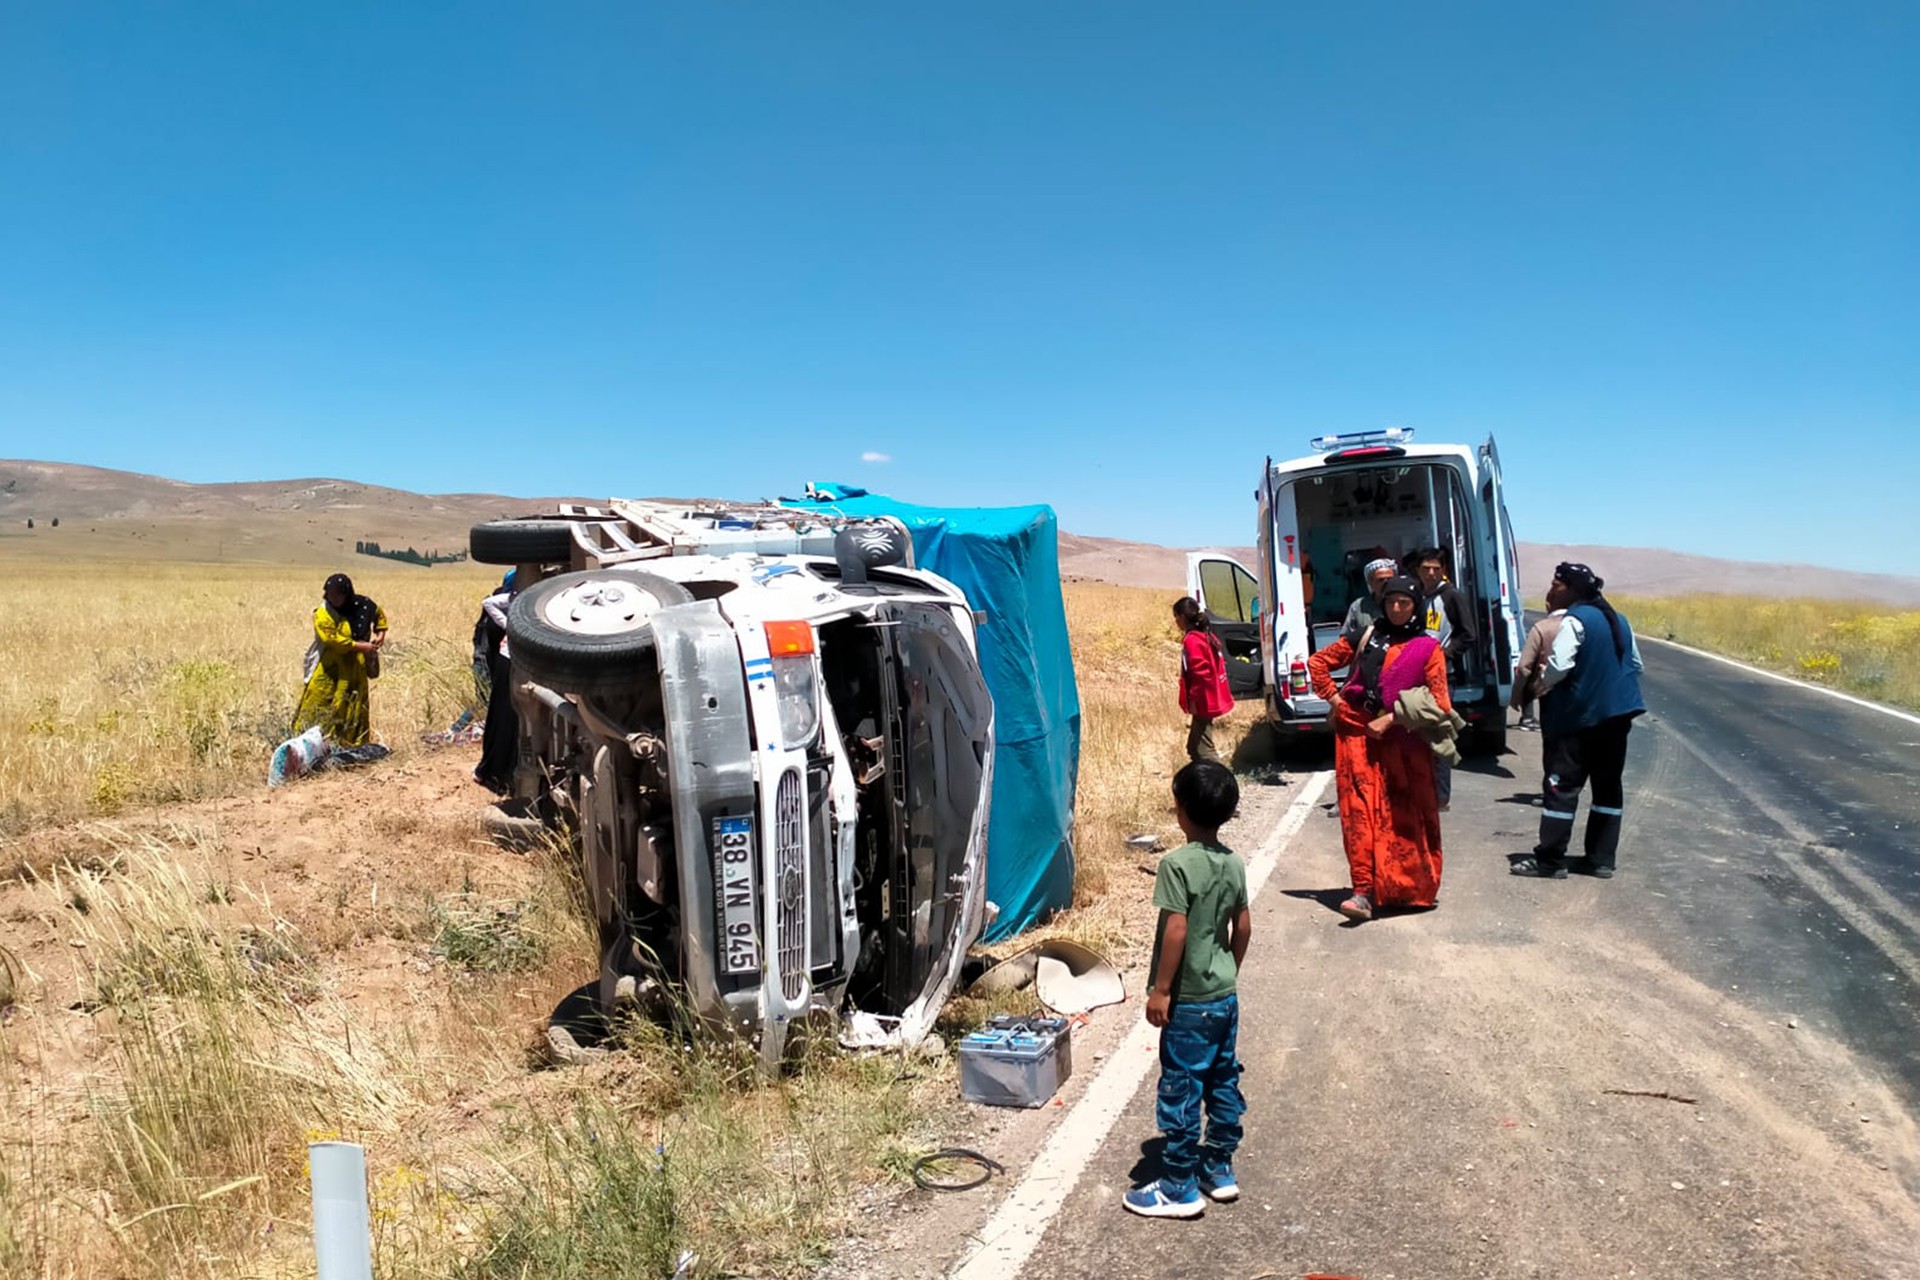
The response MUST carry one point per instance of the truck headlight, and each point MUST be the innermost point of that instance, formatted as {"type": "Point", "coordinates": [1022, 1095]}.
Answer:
{"type": "Point", "coordinates": [794, 689]}
{"type": "Point", "coordinates": [791, 646]}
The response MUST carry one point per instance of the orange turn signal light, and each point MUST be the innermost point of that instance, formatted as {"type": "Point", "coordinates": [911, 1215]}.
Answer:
{"type": "Point", "coordinates": [789, 639]}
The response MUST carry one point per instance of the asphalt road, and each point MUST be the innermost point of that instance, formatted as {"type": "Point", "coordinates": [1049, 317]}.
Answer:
{"type": "Point", "coordinates": [1788, 825]}
{"type": "Point", "coordinates": [1469, 1092]}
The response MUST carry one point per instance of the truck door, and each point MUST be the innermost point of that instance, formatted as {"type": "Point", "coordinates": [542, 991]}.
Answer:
{"type": "Point", "coordinates": [938, 720]}
{"type": "Point", "coordinates": [1226, 590]}
{"type": "Point", "coordinates": [1505, 607]}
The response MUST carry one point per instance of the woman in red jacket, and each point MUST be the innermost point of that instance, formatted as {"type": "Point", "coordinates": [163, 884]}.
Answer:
{"type": "Point", "coordinates": [1203, 678]}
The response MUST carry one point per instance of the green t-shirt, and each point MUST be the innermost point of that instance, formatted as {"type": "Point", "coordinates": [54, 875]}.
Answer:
{"type": "Point", "coordinates": [1206, 883]}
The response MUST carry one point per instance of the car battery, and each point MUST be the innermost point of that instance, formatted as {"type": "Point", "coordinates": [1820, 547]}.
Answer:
{"type": "Point", "coordinates": [1016, 1062]}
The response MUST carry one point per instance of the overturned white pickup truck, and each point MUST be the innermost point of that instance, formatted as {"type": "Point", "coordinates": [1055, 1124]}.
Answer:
{"type": "Point", "coordinates": [769, 736]}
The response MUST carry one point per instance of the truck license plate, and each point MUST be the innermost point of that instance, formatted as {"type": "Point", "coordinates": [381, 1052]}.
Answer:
{"type": "Point", "coordinates": [733, 894]}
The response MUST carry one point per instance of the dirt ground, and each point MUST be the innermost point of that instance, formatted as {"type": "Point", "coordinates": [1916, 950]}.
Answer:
{"type": "Point", "coordinates": [339, 878]}
{"type": "Point", "coordinates": [350, 862]}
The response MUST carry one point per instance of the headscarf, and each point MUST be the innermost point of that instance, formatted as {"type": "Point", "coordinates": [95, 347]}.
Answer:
{"type": "Point", "coordinates": [345, 608]}
{"type": "Point", "coordinates": [1375, 566]}
{"type": "Point", "coordinates": [1416, 624]}
{"type": "Point", "coordinates": [358, 610]}
{"type": "Point", "coordinates": [1579, 579]}
{"type": "Point", "coordinates": [1383, 635]}
{"type": "Point", "coordinates": [1586, 586]}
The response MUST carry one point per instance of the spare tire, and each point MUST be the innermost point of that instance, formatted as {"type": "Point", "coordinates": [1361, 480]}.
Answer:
{"type": "Point", "coordinates": [534, 540]}
{"type": "Point", "coordinates": [589, 631]}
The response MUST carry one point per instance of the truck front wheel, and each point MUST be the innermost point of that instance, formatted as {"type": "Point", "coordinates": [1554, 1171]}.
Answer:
{"type": "Point", "coordinates": [589, 632]}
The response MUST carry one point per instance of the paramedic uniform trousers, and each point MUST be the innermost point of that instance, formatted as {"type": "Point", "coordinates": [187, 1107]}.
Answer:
{"type": "Point", "coordinates": [1597, 755]}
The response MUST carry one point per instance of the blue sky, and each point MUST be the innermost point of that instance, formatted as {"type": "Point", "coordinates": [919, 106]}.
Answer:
{"type": "Point", "coordinates": [1107, 256]}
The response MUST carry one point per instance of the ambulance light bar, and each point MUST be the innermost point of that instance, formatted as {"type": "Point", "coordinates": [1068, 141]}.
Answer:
{"type": "Point", "coordinates": [1391, 436]}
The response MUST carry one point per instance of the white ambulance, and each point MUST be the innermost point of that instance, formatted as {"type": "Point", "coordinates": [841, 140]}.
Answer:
{"type": "Point", "coordinates": [1322, 518]}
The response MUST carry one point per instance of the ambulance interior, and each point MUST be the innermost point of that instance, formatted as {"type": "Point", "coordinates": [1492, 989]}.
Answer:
{"type": "Point", "coordinates": [1352, 515]}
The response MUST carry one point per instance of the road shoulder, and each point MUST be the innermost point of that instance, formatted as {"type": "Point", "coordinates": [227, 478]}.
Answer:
{"type": "Point", "coordinates": [921, 1235]}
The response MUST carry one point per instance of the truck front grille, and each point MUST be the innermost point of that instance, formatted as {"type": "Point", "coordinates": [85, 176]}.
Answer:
{"type": "Point", "coordinates": [790, 881]}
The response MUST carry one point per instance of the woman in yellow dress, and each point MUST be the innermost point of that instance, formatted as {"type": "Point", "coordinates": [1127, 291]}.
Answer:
{"type": "Point", "coordinates": [336, 694]}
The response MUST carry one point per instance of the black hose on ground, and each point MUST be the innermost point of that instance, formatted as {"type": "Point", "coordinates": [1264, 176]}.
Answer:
{"type": "Point", "coordinates": [988, 1167]}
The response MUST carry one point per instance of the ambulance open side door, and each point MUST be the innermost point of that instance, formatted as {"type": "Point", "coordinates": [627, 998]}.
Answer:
{"type": "Point", "coordinates": [1507, 616]}
{"type": "Point", "coordinates": [1226, 590]}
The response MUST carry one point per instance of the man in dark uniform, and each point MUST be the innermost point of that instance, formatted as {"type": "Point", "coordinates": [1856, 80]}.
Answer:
{"type": "Point", "coordinates": [1592, 683]}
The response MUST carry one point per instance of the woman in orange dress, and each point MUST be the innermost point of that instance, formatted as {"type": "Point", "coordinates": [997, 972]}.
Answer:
{"type": "Point", "coordinates": [1389, 812]}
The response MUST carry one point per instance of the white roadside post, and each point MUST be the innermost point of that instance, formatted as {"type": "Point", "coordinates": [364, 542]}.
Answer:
{"type": "Point", "coordinates": [342, 1235]}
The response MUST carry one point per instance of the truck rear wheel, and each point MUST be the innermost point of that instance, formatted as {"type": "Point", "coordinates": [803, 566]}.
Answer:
{"type": "Point", "coordinates": [529, 541]}
{"type": "Point", "coordinates": [591, 631]}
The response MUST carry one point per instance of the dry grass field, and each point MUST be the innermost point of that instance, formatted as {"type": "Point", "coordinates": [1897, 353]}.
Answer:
{"type": "Point", "coordinates": [1864, 649]}
{"type": "Point", "coordinates": [130, 685]}
{"type": "Point", "coordinates": [198, 975]}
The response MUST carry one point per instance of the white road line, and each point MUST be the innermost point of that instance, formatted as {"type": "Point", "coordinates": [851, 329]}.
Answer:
{"type": "Point", "coordinates": [1010, 1236]}
{"type": "Point", "coordinates": [1801, 864]}
{"type": "Point", "coordinates": [1775, 675]}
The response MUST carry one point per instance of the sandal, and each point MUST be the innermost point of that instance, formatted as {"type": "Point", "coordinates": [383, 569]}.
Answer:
{"type": "Point", "coordinates": [1532, 866]}
{"type": "Point", "coordinates": [1358, 907]}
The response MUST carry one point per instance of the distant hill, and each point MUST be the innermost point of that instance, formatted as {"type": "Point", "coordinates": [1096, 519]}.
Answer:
{"type": "Point", "coordinates": [1627, 570]}
{"type": "Point", "coordinates": [1646, 571]}
{"type": "Point", "coordinates": [123, 514]}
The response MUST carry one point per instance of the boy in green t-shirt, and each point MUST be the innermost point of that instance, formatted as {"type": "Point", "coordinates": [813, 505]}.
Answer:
{"type": "Point", "coordinates": [1201, 890]}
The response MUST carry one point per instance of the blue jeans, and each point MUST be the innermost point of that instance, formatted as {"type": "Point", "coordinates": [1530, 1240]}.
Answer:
{"type": "Point", "coordinates": [1198, 1063]}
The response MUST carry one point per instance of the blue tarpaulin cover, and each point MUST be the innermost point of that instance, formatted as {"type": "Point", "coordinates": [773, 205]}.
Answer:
{"type": "Point", "coordinates": [1007, 561]}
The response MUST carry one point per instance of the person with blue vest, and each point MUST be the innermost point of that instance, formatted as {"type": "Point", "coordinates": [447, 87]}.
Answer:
{"type": "Point", "coordinates": [1592, 694]}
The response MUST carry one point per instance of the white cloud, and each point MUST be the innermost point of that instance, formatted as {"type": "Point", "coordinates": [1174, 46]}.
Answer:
{"type": "Point", "coordinates": [873, 455]}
